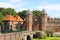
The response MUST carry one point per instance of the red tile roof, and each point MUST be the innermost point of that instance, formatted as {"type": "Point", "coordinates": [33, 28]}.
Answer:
{"type": "Point", "coordinates": [12, 18]}
{"type": "Point", "coordinates": [18, 18]}
{"type": "Point", "coordinates": [9, 17]}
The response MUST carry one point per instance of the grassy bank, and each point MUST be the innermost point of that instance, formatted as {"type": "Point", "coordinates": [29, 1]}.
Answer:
{"type": "Point", "coordinates": [48, 38]}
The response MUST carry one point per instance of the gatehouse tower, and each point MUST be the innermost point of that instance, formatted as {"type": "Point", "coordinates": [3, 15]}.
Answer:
{"type": "Point", "coordinates": [43, 20]}
{"type": "Point", "coordinates": [29, 20]}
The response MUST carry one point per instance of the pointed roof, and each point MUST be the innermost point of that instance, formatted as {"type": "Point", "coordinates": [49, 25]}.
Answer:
{"type": "Point", "coordinates": [43, 11]}
{"type": "Point", "coordinates": [9, 17]}
{"type": "Point", "coordinates": [29, 12]}
{"type": "Point", "coordinates": [18, 18]}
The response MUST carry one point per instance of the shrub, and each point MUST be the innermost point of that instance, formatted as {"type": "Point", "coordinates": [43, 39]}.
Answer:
{"type": "Point", "coordinates": [49, 33]}
{"type": "Point", "coordinates": [43, 34]}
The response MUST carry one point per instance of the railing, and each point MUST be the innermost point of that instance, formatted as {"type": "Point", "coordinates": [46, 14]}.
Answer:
{"type": "Point", "coordinates": [14, 35]}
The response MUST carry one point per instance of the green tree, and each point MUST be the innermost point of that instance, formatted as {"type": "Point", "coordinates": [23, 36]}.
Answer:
{"type": "Point", "coordinates": [22, 13]}
{"type": "Point", "coordinates": [9, 11]}
{"type": "Point", "coordinates": [1, 18]}
{"type": "Point", "coordinates": [1, 10]}
{"type": "Point", "coordinates": [36, 13]}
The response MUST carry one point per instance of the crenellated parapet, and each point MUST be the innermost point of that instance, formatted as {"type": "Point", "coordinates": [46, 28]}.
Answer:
{"type": "Point", "coordinates": [54, 18]}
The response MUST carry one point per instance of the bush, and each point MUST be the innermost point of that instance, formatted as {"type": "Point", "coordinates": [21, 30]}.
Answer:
{"type": "Point", "coordinates": [49, 33]}
{"type": "Point", "coordinates": [43, 34]}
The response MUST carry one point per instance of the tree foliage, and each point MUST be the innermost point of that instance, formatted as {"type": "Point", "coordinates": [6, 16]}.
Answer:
{"type": "Point", "coordinates": [4, 11]}
{"type": "Point", "coordinates": [1, 18]}
{"type": "Point", "coordinates": [1, 10]}
{"type": "Point", "coordinates": [36, 13]}
{"type": "Point", "coordinates": [22, 13]}
{"type": "Point", "coordinates": [9, 11]}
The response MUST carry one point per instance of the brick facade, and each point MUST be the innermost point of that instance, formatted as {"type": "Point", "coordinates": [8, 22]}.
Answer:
{"type": "Point", "coordinates": [29, 21]}
{"type": "Point", "coordinates": [47, 23]}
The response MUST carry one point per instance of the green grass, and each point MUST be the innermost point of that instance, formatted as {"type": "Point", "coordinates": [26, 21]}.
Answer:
{"type": "Point", "coordinates": [48, 38]}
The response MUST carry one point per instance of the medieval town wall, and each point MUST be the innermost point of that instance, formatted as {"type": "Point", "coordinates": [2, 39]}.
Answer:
{"type": "Point", "coordinates": [54, 18]}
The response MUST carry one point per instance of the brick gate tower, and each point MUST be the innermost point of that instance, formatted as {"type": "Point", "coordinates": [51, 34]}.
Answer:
{"type": "Point", "coordinates": [29, 21]}
{"type": "Point", "coordinates": [43, 20]}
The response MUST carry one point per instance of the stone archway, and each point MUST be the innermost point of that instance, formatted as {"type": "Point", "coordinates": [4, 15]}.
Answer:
{"type": "Point", "coordinates": [37, 35]}
{"type": "Point", "coordinates": [34, 36]}
{"type": "Point", "coordinates": [28, 37]}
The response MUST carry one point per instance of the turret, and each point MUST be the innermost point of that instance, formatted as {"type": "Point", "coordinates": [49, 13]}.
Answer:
{"type": "Point", "coordinates": [29, 20]}
{"type": "Point", "coordinates": [43, 20]}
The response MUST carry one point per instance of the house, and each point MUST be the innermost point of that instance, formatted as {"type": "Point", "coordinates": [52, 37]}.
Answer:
{"type": "Point", "coordinates": [11, 22]}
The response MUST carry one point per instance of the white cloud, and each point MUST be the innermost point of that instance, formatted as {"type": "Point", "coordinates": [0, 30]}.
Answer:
{"type": "Point", "coordinates": [49, 6]}
{"type": "Point", "coordinates": [10, 5]}
{"type": "Point", "coordinates": [21, 4]}
{"type": "Point", "coordinates": [15, 0]}
{"type": "Point", "coordinates": [6, 5]}
{"type": "Point", "coordinates": [51, 9]}
{"type": "Point", "coordinates": [21, 9]}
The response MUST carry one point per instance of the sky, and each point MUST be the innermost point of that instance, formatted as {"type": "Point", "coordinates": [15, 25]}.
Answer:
{"type": "Point", "coordinates": [52, 7]}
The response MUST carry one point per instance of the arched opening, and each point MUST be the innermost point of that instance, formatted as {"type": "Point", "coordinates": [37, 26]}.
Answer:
{"type": "Point", "coordinates": [28, 37]}
{"type": "Point", "coordinates": [37, 35]}
{"type": "Point", "coordinates": [34, 36]}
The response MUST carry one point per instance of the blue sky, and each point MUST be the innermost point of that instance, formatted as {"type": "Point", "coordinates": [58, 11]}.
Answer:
{"type": "Point", "coordinates": [52, 7]}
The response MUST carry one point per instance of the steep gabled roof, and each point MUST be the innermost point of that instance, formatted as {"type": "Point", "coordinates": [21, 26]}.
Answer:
{"type": "Point", "coordinates": [18, 18]}
{"type": "Point", "coordinates": [9, 17]}
{"type": "Point", "coordinates": [12, 18]}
